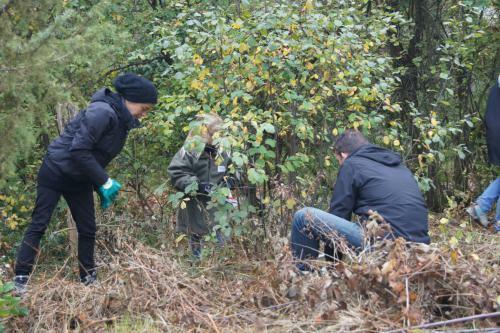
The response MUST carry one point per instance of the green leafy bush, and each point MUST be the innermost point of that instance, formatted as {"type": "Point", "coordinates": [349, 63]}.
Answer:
{"type": "Point", "coordinates": [9, 305]}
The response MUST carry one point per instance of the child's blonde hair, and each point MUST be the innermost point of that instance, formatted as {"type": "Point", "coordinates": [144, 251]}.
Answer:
{"type": "Point", "coordinates": [211, 123]}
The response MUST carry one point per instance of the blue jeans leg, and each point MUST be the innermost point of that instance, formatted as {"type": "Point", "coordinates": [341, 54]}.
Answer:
{"type": "Point", "coordinates": [498, 210]}
{"type": "Point", "coordinates": [311, 225]}
{"type": "Point", "coordinates": [489, 197]}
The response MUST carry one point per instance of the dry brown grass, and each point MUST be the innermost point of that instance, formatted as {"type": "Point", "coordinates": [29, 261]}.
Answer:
{"type": "Point", "coordinates": [394, 286]}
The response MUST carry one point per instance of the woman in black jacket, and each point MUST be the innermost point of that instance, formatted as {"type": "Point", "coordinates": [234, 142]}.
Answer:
{"type": "Point", "coordinates": [74, 166]}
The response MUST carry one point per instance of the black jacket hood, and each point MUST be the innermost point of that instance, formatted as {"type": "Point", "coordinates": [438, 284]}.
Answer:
{"type": "Point", "coordinates": [116, 101]}
{"type": "Point", "coordinates": [378, 154]}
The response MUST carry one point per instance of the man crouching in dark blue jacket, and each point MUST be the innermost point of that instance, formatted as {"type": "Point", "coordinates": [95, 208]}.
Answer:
{"type": "Point", "coordinates": [370, 179]}
{"type": "Point", "coordinates": [74, 166]}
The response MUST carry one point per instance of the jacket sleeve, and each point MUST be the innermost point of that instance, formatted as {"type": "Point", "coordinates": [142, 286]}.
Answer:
{"type": "Point", "coordinates": [95, 123]}
{"type": "Point", "coordinates": [181, 170]}
{"type": "Point", "coordinates": [344, 193]}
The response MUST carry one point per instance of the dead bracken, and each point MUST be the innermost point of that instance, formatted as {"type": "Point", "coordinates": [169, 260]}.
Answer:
{"type": "Point", "coordinates": [395, 285]}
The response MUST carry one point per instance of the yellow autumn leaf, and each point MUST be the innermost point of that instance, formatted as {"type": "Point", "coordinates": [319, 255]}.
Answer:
{"type": "Point", "coordinates": [183, 205]}
{"type": "Point", "coordinates": [196, 84]}
{"type": "Point", "coordinates": [301, 128]}
{"type": "Point", "coordinates": [434, 122]}
{"type": "Point", "coordinates": [454, 257]}
{"type": "Point", "coordinates": [309, 66]}
{"type": "Point", "coordinates": [335, 132]}
{"type": "Point", "coordinates": [475, 257]}
{"type": "Point", "coordinates": [352, 91]}
{"type": "Point", "coordinates": [420, 160]}
{"type": "Point", "coordinates": [258, 139]}
{"type": "Point", "coordinates": [203, 74]}
{"type": "Point", "coordinates": [396, 143]}
{"type": "Point", "coordinates": [235, 101]}
{"type": "Point", "coordinates": [290, 203]}
{"type": "Point", "coordinates": [326, 76]}
{"type": "Point", "coordinates": [293, 82]}
{"type": "Point", "coordinates": [243, 47]}
{"type": "Point", "coordinates": [197, 59]}
{"type": "Point", "coordinates": [308, 5]}
{"type": "Point", "coordinates": [236, 25]}
{"type": "Point", "coordinates": [249, 85]}
{"type": "Point", "coordinates": [386, 140]}
{"type": "Point", "coordinates": [388, 267]}
{"type": "Point", "coordinates": [180, 238]}
{"type": "Point", "coordinates": [355, 125]}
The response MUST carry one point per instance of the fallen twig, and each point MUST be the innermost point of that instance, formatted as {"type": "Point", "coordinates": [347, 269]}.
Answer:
{"type": "Point", "coordinates": [448, 322]}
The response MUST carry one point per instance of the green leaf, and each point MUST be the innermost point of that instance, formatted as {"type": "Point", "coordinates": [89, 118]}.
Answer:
{"type": "Point", "coordinates": [269, 128]}
{"type": "Point", "coordinates": [271, 142]}
{"type": "Point", "coordinates": [461, 154]}
{"type": "Point", "coordinates": [256, 176]}
{"type": "Point", "coordinates": [238, 160]}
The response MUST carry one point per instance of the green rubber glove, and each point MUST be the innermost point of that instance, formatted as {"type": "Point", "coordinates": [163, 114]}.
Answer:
{"type": "Point", "coordinates": [108, 192]}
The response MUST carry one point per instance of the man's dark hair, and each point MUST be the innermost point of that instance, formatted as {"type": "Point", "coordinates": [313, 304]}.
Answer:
{"type": "Point", "coordinates": [349, 141]}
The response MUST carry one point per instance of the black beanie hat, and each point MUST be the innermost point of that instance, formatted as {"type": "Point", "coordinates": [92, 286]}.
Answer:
{"type": "Point", "coordinates": [135, 88]}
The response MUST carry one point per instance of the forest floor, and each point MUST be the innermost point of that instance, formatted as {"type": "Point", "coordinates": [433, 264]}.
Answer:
{"type": "Point", "coordinates": [147, 289]}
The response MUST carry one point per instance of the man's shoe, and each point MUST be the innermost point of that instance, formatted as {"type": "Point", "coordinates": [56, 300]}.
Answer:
{"type": "Point", "coordinates": [472, 213]}
{"type": "Point", "coordinates": [20, 282]}
{"type": "Point", "coordinates": [303, 268]}
{"type": "Point", "coordinates": [478, 215]}
{"type": "Point", "coordinates": [89, 279]}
